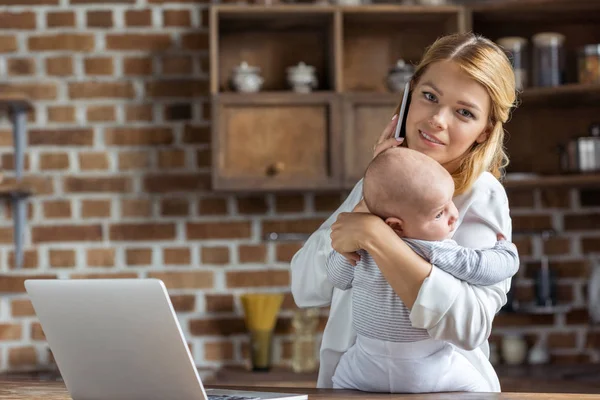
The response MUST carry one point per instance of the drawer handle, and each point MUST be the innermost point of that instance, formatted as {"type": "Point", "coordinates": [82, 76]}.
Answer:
{"type": "Point", "coordinates": [275, 168]}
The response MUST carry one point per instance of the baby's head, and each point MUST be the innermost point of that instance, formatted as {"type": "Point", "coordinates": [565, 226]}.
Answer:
{"type": "Point", "coordinates": [412, 192]}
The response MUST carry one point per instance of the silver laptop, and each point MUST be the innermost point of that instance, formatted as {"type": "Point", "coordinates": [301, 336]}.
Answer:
{"type": "Point", "coordinates": [119, 339]}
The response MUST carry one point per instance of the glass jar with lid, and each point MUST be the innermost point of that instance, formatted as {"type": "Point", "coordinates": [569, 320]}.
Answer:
{"type": "Point", "coordinates": [516, 50]}
{"type": "Point", "coordinates": [588, 61]}
{"type": "Point", "coordinates": [548, 59]}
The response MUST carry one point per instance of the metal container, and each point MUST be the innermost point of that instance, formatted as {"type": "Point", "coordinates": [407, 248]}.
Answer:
{"type": "Point", "coordinates": [582, 154]}
{"type": "Point", "coordinates": [588, 62]}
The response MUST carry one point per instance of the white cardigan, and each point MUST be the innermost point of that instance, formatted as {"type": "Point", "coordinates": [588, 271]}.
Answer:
{"type": "Point", "coordinates": [450, 309]}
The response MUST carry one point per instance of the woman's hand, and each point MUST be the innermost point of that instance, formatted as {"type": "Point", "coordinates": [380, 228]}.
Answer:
{"type": "Point", "coordinates": [350, 230]}
{"type": "Point", "coordinates": [361, 207]}
{"type": "Point", "coordinates": [386, 139]}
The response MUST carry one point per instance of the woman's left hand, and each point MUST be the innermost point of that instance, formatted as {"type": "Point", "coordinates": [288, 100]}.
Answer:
{"type": "Point", "coordinates": [349, 231]}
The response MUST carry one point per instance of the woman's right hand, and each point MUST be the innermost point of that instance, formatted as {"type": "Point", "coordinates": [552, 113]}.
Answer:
{"type": "Point", "coordinates": [386, 139]}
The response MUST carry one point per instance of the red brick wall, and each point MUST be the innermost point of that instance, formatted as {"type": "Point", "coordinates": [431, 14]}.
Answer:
{"type": "Point", "coordinates": [119, 151]}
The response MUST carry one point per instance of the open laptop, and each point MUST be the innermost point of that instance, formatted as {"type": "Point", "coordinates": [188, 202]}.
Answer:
{"type": "Point", "coordinates": [119, 339]}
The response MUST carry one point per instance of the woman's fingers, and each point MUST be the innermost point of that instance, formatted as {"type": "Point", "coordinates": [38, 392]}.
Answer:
{"type": "Point", "coordinates": [388, 132]}
{"type": "Point", "coordinates": [386, 144]}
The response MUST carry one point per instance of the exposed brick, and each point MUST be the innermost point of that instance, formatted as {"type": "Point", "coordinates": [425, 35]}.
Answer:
{"type": "Point", "coordinates": [203, 158]}
{"type": "Point", "coordinates": [175, 207]}
{"type": "Point", "coordinates": [54, 161]}
{"type": "Point", "coordinates": [93, 161]}
{"type": "Point", "coordinates": [138, 18]}
{"type": "Point", "coordinates": [137, 66]}
{"type": "Point", "coordinates": [569, 359]}
{"type": "Point", "coordinates": [177, 65]}
{"type": "Point", "coordinates": [64, 42]}
{"type": "Point", "coordinates": [195, 41]}
{"type": "Point", "coordinates": [177, 256]}
{"type": "Point", "coordinates": [61, 114]}
{"type": "Point", "coordinates": [138, 112]}
{"type": "Point", "coordinates": [16, 284]}
{"type": "Point", "coordinates": [185, 280]}
{"type": "Point", "coordinates": [151, 136]}
{"type": "Point", "coordinates": [104, 2]}
{"type": "Point", "coordinates": [564, 269]}
{"type": "Point", "coordinates": [219, 303]}
{"type": "Point", "coordinates": [557, 245]}
{"type": "Point", "coordinates": [177, 88]}
{"type": "Point", "coordinates": [6, 235]}
{"type": "Point", "coordinates": [285, 251]}
{"type": "Point", "coordinates": [177, 1]}
{"type": "Point", "coordinates": [590, 245]}
{"type": "Point", "coordinates": [60, 137]}
{"type": "Point", "coordinates": [289, 203]}
{"type": "Point", "coordinates": [218, 351]}
{"type": "Point", "coordinates": [196, 134]}
{"type": "Point", "coordinates": [18, 20]}
{"type": "Point", "coordinates": [95, 208]}
{"type": "Point", "coordinates": [171, 159]}
{"type": "Point", "coordinates": [30, 259]}
{"type": "Point", "coordinates": [218, 230]}
{"type": "Point", "coordinates": [129, 160]}
{"type": "Point", "coordinates": [252, 253]}
{"type": "Point", "coordinates": [57, 209]}
{"type": "Point", "coordinates": [100, 257]}
{"type": "Point", "coordinates": [307, 226]}
{"type": "Point", "coordinates": [559, 340]}
{"type": "Point", "coordinates": [8, 162]}
{"type": "Point", "coordinates": [66, 233]}
{"type": "Point", "coordinates": [262, 278]}
{"type": "Point", "coordinates": [327, 202]}
{"type": "Point", "coordinates": [100, 19]}
{"type": "Point", "coordinates": [9, 210]}
{"type": "Point", "coordinates": [582, 222]}
{"type": "Point", "coordinates": [184, 302]}
{"type": "Point", "coordinates": [22, 308]}
{"type": "Point", "coordinates": [62, 258]}
{"type": "Point", "coordinates": [99, 90]}
{"type": "Point", "coordinates": [60, 19]}
{"type": "Point", "coordinates": [37, 333]}
{"type": "Point", "coordinates": [10, 331]}
{"type": "Point", "coordinates": [524, 245]}
{"type": "Point", "coordinates": [41, 185]}
{"type": "Point", "coordinates": [177, 18]}
{"type": "Point", "coordinates": [138, 256]}
{"type": "Point", "coordinates": [519, 320]}
{"type": "Point", "coordinates": [59, 66]}
{"type": "Point", "coordinates": [98, 66]}
{"type": "Point", "coordinates": [555, 198]}
{"type": "Point", "coordinates": [531, 223]}
{"type": "Point", "coordinates": [217, 326]}
{"type": "Point", "coordinates": [252, 205]}
{"type": "Point", "coordinates": [165, 183]}
{"type": "Point", "coordinates": [106, 275]}
{"type": "Point", "coordinates": [136, 208]}
{"type": "Point", "coordinates": [97, 185]}
{"type": "Point", "coordinates": [8, 44]}
{"type": "Point", "coordinates": [22, 357]}
{"type": "Point", "coordinates": [147, 231]}
{"type": "Point", "coordinates": [20, 66]}
{"type": "Point", "coordinates": [138, 42]}
{"type": "Point", "coordinates": [35, 91]}
{"type": "Point", "coordinates": [215, 255]}
{"type": "Point", "coordinates": [589, 197]}
{"type": "Point", "coordinates": [212, 206]}
{"type": "Point", "coordinates": [578, 317]}
{"type": "Point", "coordinates": [178, 112]}
{"type": "Point", "coordinates": [28, 2]}
{"type": "Point", "coordinates": [101, 113]}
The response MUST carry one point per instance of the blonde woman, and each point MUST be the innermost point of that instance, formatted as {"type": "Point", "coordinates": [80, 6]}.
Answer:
{"type": "Point", "coordinates": [461, 95]}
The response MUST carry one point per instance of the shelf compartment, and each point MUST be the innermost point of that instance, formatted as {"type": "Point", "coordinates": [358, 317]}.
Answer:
{"type": "Point", "coordinates": [571, 180]}
{"type": "Point", "coordinates": [270, 141]}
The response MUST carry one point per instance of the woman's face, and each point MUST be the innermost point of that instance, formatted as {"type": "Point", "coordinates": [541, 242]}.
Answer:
{"type": "Point", "coordinates": [449, 111]}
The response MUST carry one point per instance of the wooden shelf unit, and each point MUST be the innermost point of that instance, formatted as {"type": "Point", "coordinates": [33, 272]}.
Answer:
{"type": "Point", "coordinates": [352, 49]}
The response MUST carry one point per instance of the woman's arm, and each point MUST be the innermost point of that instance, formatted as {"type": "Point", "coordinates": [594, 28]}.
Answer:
{"type": "Point", "coordinates": [310, 286]}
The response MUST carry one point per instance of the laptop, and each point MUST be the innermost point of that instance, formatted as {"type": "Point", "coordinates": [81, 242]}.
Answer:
{"type": "Point", "coordinates": [119, 339]}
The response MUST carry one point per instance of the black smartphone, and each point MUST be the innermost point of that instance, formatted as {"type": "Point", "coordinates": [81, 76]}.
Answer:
{"type": "Point", "coordinates": [402, 114]}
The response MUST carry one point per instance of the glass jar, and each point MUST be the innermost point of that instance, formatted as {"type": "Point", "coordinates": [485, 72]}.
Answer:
{"type": "Point", "coordinates": [304, 345]}
{"type": "Point", "coordinates": [588, 61]}
{"type": "Point", "coordinates": [516, 50]}
{"type": "Point", "coordinates": [548, 59]}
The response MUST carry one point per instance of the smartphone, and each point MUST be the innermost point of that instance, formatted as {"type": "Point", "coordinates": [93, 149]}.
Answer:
{"type": "Point", "coordinates": [401, 127]}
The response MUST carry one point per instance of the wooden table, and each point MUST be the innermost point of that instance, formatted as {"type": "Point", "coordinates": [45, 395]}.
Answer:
{"type": "Point", "coordinates": [46, 390]}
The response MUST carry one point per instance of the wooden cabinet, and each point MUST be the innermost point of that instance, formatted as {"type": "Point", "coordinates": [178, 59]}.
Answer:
{"type": "Point", "coordinates": [280, 140]}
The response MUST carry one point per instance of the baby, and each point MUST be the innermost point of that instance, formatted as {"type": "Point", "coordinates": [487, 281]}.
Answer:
{"type": "Point", "coordinates": [413, 194]}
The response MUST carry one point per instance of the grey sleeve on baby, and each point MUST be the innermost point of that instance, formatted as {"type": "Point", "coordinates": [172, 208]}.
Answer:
{"type": "Point", "coordinates": [475, 266]}
{"type": "Point", "coordinates": [339, 271]}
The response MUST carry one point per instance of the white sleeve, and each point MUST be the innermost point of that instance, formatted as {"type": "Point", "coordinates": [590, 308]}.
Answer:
{"type": "Point", "coordinates": [310, 286]}
{"type": "Point", "coordinates": [456, 311]}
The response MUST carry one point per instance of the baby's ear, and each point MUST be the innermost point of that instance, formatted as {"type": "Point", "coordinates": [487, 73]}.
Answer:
{"type": "Point", "coordinates": [396, 224]}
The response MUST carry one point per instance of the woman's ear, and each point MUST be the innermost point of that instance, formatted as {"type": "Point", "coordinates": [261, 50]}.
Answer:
{"type": "Point", "coordinates": [483, 136]}
{"type": "Point", "coordinates": [396, 224]}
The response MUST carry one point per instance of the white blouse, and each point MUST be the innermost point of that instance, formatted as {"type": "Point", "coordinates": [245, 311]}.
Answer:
{"type": "Point", "coordinates": [448, 308]}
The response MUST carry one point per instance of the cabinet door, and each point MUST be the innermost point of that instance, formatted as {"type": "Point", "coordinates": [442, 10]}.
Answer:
{"type": "Point", "coordinates": [276, 141]}
{"type": "Point", "coordinates": [365, 117]}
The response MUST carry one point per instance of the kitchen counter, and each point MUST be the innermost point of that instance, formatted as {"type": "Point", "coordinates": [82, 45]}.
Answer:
{"type": "Point", "coordinates": [47, 390]}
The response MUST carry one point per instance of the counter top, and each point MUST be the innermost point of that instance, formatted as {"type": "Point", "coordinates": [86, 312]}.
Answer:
{"type": "Point", "coordinates": [46, 390]}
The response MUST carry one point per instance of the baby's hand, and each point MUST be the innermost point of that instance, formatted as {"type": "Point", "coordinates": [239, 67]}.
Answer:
{"type": "Point", "coordinates": [500, 237]}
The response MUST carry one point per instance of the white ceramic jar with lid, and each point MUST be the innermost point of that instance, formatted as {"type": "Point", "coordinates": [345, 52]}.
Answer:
{"type": "Point", "coordinates": [548, 59]}
{"type": "Point", "coordinates": [302, 78]}
{"type": "Point", "coordinates": [246, 78]}
{"type": "Point", "coordinates": [398, 75]}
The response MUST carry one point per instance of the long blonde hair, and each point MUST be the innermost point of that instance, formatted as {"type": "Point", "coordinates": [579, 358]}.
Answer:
{"type": "Point", "coordinates": [486, 63]}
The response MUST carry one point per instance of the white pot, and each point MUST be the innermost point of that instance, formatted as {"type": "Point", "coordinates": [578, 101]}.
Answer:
{"type": "Point", "coordinates": [302, 78]}
{"type": "Point", "coordinates": [246, 79]}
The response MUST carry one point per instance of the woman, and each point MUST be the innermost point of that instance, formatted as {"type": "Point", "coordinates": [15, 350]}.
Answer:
{"type": "Point", "coordinates": [461, 95]}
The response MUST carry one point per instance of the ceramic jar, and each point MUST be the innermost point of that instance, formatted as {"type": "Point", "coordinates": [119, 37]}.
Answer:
{"type": "Point", "coordinates": [398, 75]}
{"type": "Point", "coordinates": [514, 349]}
{"type": "Point", "coordinates": [302, 78]}
{"type": "Point", "coordinates": [246, 78]}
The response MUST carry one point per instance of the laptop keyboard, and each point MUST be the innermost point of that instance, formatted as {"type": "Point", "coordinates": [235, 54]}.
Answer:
{"type": "Point", "coordinates": [230, 397]}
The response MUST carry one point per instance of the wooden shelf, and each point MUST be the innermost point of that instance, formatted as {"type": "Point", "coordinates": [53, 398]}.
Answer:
{"type": "Point", "coordinates": [574, 180]}
{"type": "Point", "coordinates": [274, 97]}
{"type": "Point", "coordinates": [518, 9]}
{"type": "Point", "coordinates": [573, 94]}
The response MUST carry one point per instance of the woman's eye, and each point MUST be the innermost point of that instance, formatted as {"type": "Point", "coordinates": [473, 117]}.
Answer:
{"type": "Point", "coordinates": [466, 113]}
{"type": "Point", "coordinates": [429, 96]}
